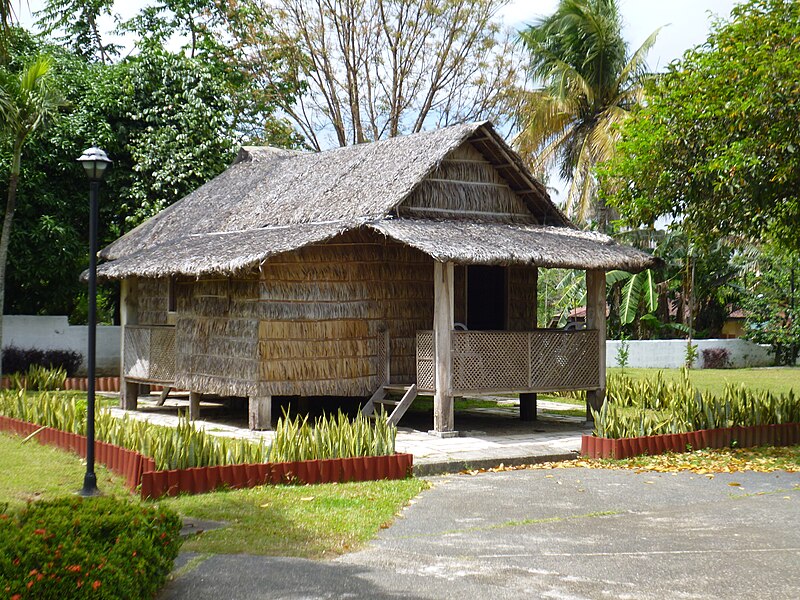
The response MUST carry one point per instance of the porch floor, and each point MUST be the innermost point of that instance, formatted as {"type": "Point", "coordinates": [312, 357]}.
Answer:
{"type": "Point", "coordinates": [487, 437]}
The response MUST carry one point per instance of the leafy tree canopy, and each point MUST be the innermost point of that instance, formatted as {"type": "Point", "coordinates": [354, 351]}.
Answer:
{"type": "Point", "coordinates": [168, 120]}
{"type": "Point", "coordinates": [717, 143]}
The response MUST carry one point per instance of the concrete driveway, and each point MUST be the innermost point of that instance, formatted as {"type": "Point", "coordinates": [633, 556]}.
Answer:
{"type": "Point", "coordinates": [565, 533]}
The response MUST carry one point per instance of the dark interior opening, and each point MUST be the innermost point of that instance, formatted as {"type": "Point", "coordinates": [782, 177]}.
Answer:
{"type": "Point", "coordinates": [487, 299]}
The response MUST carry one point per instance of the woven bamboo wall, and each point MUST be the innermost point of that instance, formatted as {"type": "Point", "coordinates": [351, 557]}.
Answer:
{"type": "Point", "coordinates": [216, 335]}
{"type": "Point", "coordinates": [465, 184]}
{"type": "Point", "coordinates": [522, 298]}
{"type": "Point", "coordinates": [152, 300]}
{"type": "Point", "coordinates": [323, 311]}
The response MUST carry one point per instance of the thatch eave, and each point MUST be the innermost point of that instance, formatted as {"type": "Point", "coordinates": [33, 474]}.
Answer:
{"type": "Point", "coordinates": [221, 253]}
{"type": "Point", "coordinates": [459, 241]}
{"type": "Point", "coordinates": [484, 243]}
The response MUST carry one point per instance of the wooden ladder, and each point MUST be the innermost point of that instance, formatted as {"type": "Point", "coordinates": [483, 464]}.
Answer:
{"type": "Point", "coordinates": [399, 407]}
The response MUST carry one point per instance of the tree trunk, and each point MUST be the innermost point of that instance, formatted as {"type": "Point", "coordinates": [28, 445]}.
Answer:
{"type": "Point", "coordinates": [5, 237]}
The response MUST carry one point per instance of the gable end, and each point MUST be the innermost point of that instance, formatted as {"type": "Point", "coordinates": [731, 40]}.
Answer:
{"type": "Point", "coordinates": [467, 185]}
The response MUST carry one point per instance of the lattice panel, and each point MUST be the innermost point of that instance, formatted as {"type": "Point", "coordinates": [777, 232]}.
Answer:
{"type": "Point", "coordinates": [149, 353]}
{"type": "Point", "coordinates": [535, 361]}
{"type": "Point", "coordinates": [382, 370]}
{"type": "Point", "coordinates": [564, 360]}
{"type": "Point", "coordinates": [425, 376]}
{"type": "Point", "coordinates": [487, 360]}
{"type": "Point", "coordinates": [137, 352]}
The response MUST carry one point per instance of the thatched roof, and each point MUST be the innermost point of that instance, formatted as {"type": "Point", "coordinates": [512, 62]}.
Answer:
{"type": "Point", "coordinates": [272, 201]}
{"type": "Point", "coordinates": [475, 243]}
{"type": "Point", "coordinates": [266, 187]}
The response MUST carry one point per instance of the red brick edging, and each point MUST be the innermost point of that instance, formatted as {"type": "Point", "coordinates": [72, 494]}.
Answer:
{"type": "Point", "coordinates": [786, 434]}
{"type": "Point", "coordinates": [138, 469]}
{"type": "Point", "coordinates": [101, 384]}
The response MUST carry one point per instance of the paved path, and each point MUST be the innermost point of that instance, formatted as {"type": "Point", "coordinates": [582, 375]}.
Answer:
{"type": "Point", "coordinates": [567, 534]}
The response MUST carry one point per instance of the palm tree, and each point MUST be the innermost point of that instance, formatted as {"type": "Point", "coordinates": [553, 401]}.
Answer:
{"type": "Point", "coordinates": [589, 83]}
{"type": "Point", "coordinates": [27, 101]}
{"type": "Point", "coordinates": [7, 18]}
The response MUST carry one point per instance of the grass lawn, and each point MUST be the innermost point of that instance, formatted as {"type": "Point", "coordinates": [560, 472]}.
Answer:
{"type": "Point", "coordinates": [305, 521]}
{"type": "Point", "coordinates": [778, 380]}
{"type": "Point", "coordinates": [312, 521]}
{"type": "Point", "coordinates": [775, 379]}
{"type": "Point", "coordinates": [35, 472]}
{"type": "Point", "coordinates": [424, 404]}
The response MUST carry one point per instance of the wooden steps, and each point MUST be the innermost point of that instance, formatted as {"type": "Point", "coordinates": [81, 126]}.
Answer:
{"type": "Point", "coordinates": [381, 397]}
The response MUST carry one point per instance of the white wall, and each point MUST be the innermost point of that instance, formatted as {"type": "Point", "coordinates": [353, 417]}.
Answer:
{"type": "Point", "coordinates": [45, 333]}
{"type": "Point", "coordinates": [671, 354]}
{"type": "Point", "coordinates": [55, 333]}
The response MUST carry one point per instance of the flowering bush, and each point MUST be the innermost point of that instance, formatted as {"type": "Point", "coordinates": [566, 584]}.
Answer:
{"type": "Point", "coordinates": [86, 548]}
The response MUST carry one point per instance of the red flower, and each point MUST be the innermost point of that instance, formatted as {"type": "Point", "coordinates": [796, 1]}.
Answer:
{"type": "Point", "coordinates": [16, 597]}
{"type": "Point", "coordinates": [96, 585]}
{"type": "Point", "coordinates": [39, 531]}
{"type": "Point", "coordinates": [74, 568]}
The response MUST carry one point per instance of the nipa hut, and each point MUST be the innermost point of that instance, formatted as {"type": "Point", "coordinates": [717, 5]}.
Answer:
{"type": "Point", "coordinates": [410, 262]}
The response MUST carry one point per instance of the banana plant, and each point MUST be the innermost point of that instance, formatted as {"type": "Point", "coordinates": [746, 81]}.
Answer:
{"type": "Point", "coordinates": [638, 289]}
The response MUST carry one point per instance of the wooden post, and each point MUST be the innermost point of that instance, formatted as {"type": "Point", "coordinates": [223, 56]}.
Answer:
{"type": "Point", "coordinates": [260, 412]}
{"type": "Point", "coordinates": [128, 315]}
{"type": "Point", "coordinates": [596, 319]}
{"type": "Point", "coordinates": [443, 421]}
{"type": "Point", "coordinates": [194, 406]}
{"type": "Point", "coordinates": [527, 407]}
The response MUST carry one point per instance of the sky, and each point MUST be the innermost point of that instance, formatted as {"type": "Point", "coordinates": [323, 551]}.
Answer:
{"type": "Point", "coordinates": [685, 22]}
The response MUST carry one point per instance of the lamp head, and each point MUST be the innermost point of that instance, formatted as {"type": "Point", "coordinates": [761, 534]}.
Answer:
{"type": "Point", "coordinates": [95, 161]}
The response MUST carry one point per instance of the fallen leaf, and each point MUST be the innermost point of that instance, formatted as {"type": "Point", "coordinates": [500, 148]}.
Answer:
{"type": "Point", "coordinates": [734, 484]}
{"type": "Point", "coordinates": [307, 498]}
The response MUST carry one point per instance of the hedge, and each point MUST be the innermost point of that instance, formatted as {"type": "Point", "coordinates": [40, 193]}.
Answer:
{"type": "Point", "coordinates": [100, 548]}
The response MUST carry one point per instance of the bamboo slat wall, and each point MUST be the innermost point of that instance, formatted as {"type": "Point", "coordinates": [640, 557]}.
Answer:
{"type": "Point", "coordinates": [522, 298]}
{"type": "Point", "coordinates": [216, 337]}
{"type": "Point", "coordinates": [153, 298]}
{"type": "Point", "coordinates": [465, 184]}
{"type": "Point", "coordinates": [324, 310]}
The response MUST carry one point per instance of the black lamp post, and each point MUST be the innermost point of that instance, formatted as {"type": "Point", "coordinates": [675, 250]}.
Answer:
{"type": "Point", "coordinates": [95, 162]}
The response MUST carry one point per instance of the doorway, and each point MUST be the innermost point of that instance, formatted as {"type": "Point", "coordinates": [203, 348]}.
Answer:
{"type": "Point", "coordinates": [487, 298]}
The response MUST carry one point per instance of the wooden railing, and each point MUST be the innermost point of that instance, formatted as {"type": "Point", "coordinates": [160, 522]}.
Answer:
{"type": "Point", "coordinates": [543, 360]}
{"type": "Point", "coordinates": [149, 353]}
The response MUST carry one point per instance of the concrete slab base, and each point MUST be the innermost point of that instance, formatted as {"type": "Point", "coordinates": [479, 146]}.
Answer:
{"type": "Point", "coordinates": [445, 435]}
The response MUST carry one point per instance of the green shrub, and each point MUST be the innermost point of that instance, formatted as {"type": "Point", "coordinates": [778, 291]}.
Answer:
{"type": "Point", "coordinates": [38, 378]}
{"type": "Point", "coordinates": [19, 360]}
{"type": "Point", "coordinates": [331, 437]}
{"type": "Point", "coordinates": [87, 548]}
{"type": "Point", "coordinates": [186, 446]}
{"type": "Point", "coordinates": [654, 406]}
